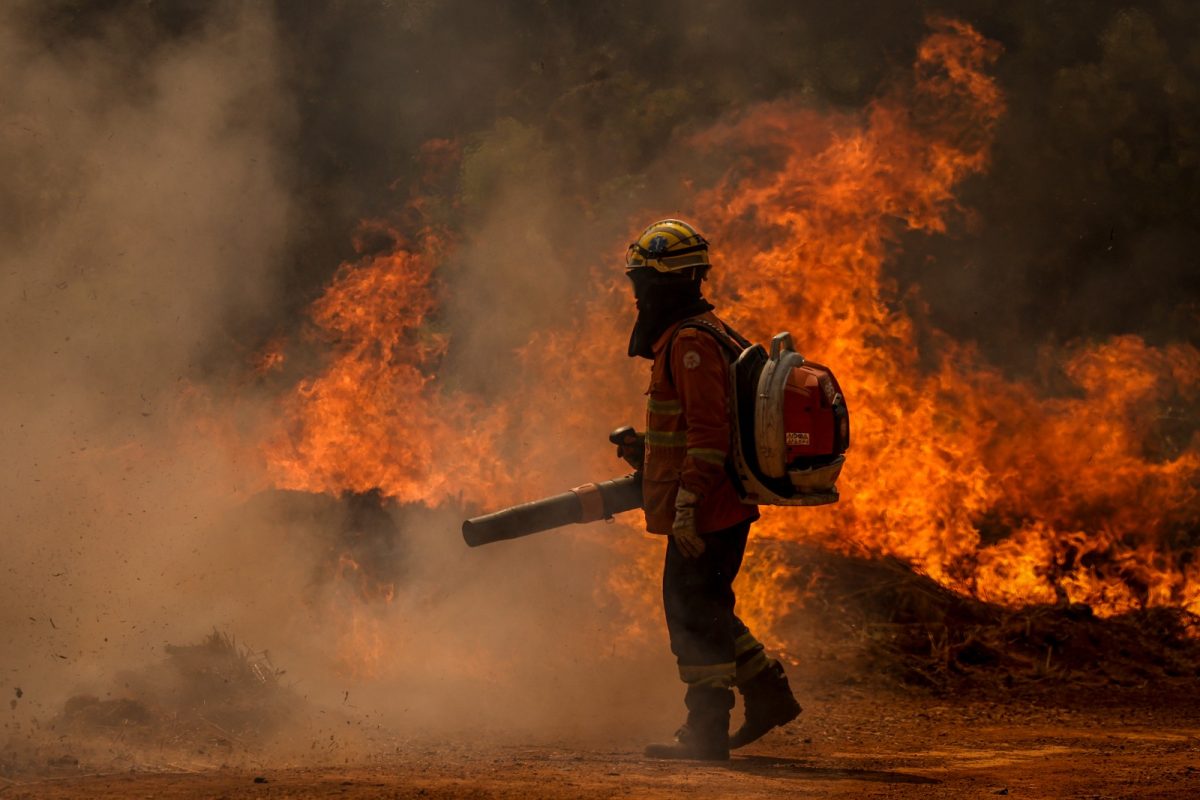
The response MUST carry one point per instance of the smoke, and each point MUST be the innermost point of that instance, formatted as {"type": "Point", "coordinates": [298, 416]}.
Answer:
{"type": "Point", "coordinates": [143, 208]}
{"type": "Point", "coordinates": [151, 162]}
{"type": "Point", "coordinates": [1085, 223]}
{"type": "Point", "coordinates": [180, 184]}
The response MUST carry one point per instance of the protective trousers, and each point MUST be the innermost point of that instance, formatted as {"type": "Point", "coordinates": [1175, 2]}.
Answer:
{"type": "Point", "coordinates": [714, 649]}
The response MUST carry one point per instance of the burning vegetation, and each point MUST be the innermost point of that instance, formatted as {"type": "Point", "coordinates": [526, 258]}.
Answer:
{"type": "Point", "coordinates": [885, 625]}
{"type": "Point", "coordinates": [1006, 491]}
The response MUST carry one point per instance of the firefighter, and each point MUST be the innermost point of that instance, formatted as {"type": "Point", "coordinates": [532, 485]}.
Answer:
{"type": "Point", "coordinates": [689, 496]}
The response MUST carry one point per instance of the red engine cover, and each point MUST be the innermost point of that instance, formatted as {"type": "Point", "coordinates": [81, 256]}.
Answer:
{"type": "Point", "coordinates": [809, 421]}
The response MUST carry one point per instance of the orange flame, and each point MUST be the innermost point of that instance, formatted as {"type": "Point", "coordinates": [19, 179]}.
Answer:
{"type": "Point", "coordinates": [980, 481]}
{"type": "Point", "coordinates": [373, 418]}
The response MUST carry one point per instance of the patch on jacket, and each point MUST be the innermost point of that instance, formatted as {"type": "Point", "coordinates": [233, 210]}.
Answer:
{"type": "Point", "coordinates": [691, 359]}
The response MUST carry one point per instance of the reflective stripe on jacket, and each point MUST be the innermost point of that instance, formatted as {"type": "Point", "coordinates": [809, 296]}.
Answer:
{"type": "Point", "coordinates": [688, 435]}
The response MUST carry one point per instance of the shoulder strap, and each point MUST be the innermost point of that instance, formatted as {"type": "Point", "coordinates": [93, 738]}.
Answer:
{"type": "Point", "coordinates": [733, 342]}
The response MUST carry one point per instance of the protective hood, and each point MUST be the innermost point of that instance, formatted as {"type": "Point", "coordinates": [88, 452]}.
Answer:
{"type": "Point", "coordinates": [661, 302]}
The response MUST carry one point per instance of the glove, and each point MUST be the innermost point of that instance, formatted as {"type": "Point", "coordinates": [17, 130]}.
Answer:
{"type": "Point", "coordinates": [684, 529]}
{"type": "Point", "coordinates": [633, 454]}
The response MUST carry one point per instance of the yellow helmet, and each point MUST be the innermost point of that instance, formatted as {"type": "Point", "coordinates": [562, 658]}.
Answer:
{"type": "Point", "coordinates": [669, 246]}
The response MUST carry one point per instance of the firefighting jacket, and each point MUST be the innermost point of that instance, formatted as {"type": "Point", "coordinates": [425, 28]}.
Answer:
{"type": "Point", "coordinates": [688, 431]}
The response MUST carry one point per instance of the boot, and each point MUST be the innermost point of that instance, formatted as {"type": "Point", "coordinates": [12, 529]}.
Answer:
{"type": "Point", "coordinates": [769, 703]}
{"type": "Point", "coordinates": [705, 735]}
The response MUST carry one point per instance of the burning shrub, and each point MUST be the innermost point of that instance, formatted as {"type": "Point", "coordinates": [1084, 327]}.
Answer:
{"type": "Point", "coordinates": [907, 629]}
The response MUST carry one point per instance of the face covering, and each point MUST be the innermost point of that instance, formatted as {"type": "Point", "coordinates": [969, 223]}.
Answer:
{"type": "Point", "coordinates": [661, 302]}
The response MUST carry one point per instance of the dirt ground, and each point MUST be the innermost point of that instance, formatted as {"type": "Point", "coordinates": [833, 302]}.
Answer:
{"type": "Point", "coordinates": [853, 746]}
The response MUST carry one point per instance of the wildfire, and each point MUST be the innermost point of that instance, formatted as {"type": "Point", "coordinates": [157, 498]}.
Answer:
{"type": "Point", "coordinates": [987, 484]}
